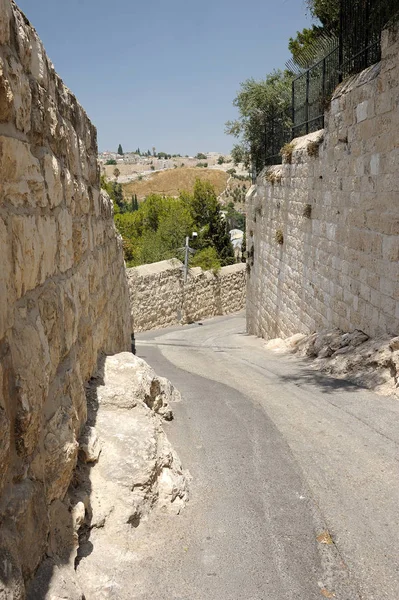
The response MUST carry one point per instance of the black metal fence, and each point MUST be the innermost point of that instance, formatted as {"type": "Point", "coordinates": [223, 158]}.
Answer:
{"type": "Point", "coordinates": [353, 45]}
{"type": "Point", "coordinates": [356, 47]}
{"type": "Point", "coordinates": [273, 131]}
{"type": "Point", "coordinates": [311, 92]}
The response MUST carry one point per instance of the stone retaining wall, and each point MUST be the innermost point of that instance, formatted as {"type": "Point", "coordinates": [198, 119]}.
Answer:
{"type": "Point", "coordinates": [63, 292]}
{"type": "Point", "coordinates": [323, 228]}
{"type": "Point", "coordinates": [159, 298]}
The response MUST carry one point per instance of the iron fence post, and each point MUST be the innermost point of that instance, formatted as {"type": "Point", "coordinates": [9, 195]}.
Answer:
{"type": "Point", "coordinates": [341, 41]}
{"type": "Point", "coordinates": [307, 100]}
{"type": "Point", "coordinates": [323, 91]}
{"type": "Point", "coordinates": [293, 108]}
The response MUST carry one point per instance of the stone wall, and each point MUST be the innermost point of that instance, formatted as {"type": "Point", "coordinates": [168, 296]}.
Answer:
{"type": "Point", "coordinates": [323, 231]}
{"type": "Point", "coordinates": [63, 292]}
{"type": "Point", "coordinates": [160, 298]}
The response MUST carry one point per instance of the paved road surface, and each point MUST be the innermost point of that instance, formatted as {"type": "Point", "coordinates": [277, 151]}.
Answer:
{"type": "Point", "coordinates": [282, 458]}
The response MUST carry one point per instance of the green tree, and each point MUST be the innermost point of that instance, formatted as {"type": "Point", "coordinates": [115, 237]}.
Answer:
{"type": "Point", "coordinates": [156, 228]}
{"type": "Point", "coordinates": [174, 225]}
{"type": "Point", "coordinates": [117, 195]}
{"type": "Point", "coordinates": [115, 192]}
{"type": "Point", "coordinates": [221, 239]}
{"type": "Point", "coordinates": [234, 219]}
{"type": "Point", "coordinates": [111, 161]}
{"type": "Point", "coordinates": [306, 47]}
{"type": "Point", "coordinates": [207, 259]}
{"type": "Point", "coordinates": [120, 150]}
{"type": "Point", "coordinates": [221, 160]}
{"type": "Point", "coordinates": [326, 11]}
{"type": "Point", "coordinates": [257, 102]}
{"type": "Point", "coordinates": [135, 204]}
{"type": "Point", "coordinates": [207, 215]}
{"type": "Point", "coordinates": [201, 156]}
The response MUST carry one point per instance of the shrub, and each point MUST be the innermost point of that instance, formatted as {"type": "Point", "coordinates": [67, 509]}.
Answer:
{"type": "Point", "coordinates": [207, 259]}
{"type": "Point", "coordinates": [313, 149]}
{"type": "Point", "coordinates": [273, 176]}
{"type": "Point", "coordinates": [111, 161]}
{"type": "Point", "coordinates": [279, 237]}
{"type": "Point", "coordinates": [287, 151]}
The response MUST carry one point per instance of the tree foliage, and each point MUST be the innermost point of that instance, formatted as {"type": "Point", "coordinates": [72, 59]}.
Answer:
{"type": "Point", "coordinates": [309, 44]}
{"type": "Point", "coordinates": [304, 47]}
{"type": "Point", "coordinates": [326, 11]}
{"type": "Point", "coordinates": [156, 229]}
{"type": "Point", "coordinates": [258, 102]}
{"type": "Point", "coordinates": [207, 259]}
{"type": "Point", "coordinates": [120, 150]}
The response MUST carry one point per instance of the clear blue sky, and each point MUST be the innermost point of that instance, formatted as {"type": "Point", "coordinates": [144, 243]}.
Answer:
{"type": "Point", "coordinates": [163, 73]}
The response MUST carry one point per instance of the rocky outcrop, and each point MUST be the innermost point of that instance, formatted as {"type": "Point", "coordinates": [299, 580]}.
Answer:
{"type": "Point", "coordinates": [63, 295]}
{"type": "Point", "coordinates": [371, 363]}
{"type": "Point", "coordinates": [159, 297]}
{"type": "Point", "coordinates": [126, 469]}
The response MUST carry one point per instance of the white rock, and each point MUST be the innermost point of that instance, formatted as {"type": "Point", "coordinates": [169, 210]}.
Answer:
{"type": "Point", "coordinates": [90, 446]}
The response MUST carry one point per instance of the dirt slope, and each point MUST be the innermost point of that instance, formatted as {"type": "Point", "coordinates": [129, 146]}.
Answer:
{"type": "Point", "coordinates": [173, 181]}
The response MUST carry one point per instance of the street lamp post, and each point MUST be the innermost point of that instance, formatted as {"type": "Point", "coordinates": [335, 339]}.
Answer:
{"type": "Point", "coordinates": [187, 250]}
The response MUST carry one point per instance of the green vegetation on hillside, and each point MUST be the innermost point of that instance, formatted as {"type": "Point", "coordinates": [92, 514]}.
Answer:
{"type": "Point", "coordinates": [157, 229]}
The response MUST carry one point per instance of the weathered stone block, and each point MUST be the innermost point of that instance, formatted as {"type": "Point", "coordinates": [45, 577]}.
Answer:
{"type": "Point", "coordinates": [52, 174]}
{"type": "Point", "coordinates": [34, 249]}
{"type": "Point", "coordinates": [61, 449]}
{"type": "Point", "coordinates": [5, 428]}
{"type": "Point", "coordinates": [390, 247]}
{"type": "Point", "coordinates": [361, 111]}
{"type": "Point", "coordinates": [65, 241]}
{"type": "Point", "coordinates": [5, 19]}
{"type": "Point", "coordinates": [21, 181]}
{"type": "Point", "coordinates": [31, 367]}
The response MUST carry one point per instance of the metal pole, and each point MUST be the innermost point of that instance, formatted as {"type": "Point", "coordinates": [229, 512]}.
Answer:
{"type": "Point", "coordinates": [307, 100]}
{"type": "Point", "coordinates": [324, 91]}
{"type": "Point", "coordinates": [341, 41]}
{"type": "Point", "coordinates": [186, 259]}
{"type": "Point", "coordinates": [293, 109]}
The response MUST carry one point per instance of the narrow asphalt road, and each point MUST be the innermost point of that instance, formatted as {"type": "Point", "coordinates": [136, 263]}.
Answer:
{"type": "Point", "coordinates": [295, 487]}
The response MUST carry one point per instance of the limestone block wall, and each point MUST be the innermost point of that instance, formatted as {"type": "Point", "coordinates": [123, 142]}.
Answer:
{"type": "Point", "coordinates": [160, 298]}
{"type": "Point", "coordinates": [63, 291]}
{"type": "Point", "coordinates": [335, 212]}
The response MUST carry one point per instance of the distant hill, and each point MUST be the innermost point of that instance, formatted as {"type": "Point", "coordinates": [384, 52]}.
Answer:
{"type": "Point", "coordinates": [173, 181]}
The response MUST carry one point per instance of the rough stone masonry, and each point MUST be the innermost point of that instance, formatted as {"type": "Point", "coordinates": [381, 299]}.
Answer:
{"type": "Point", "coordinates": [63, 292]}
{"type": "Point", "coordinates": [323, 228]}
{"type": "Point", "coordinates": [159, 297]}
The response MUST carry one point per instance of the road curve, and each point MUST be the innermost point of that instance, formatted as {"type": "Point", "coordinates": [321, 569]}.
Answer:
{"type": "Point", "coordinates": [295, 488]}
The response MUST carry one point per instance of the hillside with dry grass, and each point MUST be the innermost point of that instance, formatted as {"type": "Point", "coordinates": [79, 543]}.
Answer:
{"type": "Point", "coordinates": [173, 181]}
